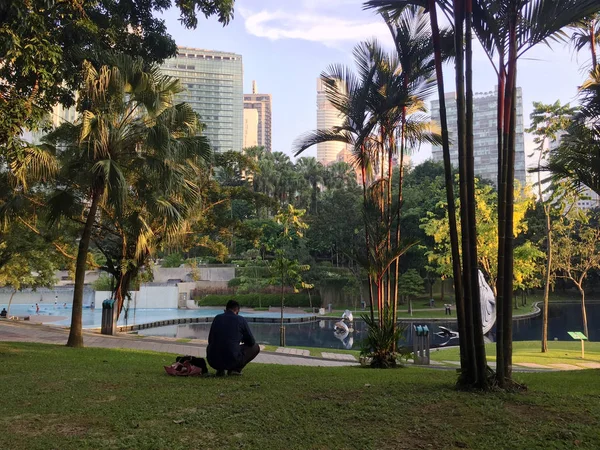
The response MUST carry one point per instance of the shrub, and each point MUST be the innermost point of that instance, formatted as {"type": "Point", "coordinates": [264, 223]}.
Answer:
{"type": "Point", "coordinates": [234, 282]}
{"type": "Point", "coordinates": [259, 300]}
{"type": "Point", "coordinates": [380, 342]}
{"type": "Point", "coordinates": [172, 260]}
{"type": "Point", "coordinates": [103, 283]}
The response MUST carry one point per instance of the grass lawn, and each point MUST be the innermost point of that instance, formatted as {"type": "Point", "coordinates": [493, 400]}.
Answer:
{"type": "Point", "coordinates": [54, 397]}
{"type": "Point", "coordinates": [559, 352]}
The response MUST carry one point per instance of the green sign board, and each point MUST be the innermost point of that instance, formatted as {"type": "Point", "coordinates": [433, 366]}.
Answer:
{"type": "Point", "coordinates": [577, 335]}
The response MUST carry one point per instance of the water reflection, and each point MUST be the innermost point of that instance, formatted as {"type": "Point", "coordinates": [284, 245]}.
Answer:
{"type": "Point", "coordinates": [562, 317]}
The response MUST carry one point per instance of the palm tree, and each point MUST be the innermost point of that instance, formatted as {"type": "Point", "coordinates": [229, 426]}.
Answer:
{"type": "Point", "coordinates": [339, 175]}
{"type": "Point", "coordinates": [506, 29]}
{"type": "Point", "coordinates": [577, 158]}
{"type": "Point", "coordinates": [312, 171]}
{"type": "Point", "coordinates": [586, 32]}
{"type": "Point", "coordinates": [128, 124]}
{"type": "Point", "coordinates": [348, 93]}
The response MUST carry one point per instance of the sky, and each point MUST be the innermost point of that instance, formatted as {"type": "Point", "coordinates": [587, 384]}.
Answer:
{"type": "Point", "coordinates": [286, 44]}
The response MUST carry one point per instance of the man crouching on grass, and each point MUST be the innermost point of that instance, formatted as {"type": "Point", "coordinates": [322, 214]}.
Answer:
{"type": "Point", "coordinates": [230, 342]}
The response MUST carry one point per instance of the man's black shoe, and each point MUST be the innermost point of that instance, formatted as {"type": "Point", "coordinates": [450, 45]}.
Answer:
{"type": "Point", "coordinates": [220, 373]}
{"type": "Point", "coordinates": [235, 373]}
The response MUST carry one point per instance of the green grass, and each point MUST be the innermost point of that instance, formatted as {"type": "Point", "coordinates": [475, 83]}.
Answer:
{"type": "Point", "coordinates": [183, 340]}
{"type": "Point", "coordinates": [559, 352]}
{"type": "Point", "coordinates": [57, 397]}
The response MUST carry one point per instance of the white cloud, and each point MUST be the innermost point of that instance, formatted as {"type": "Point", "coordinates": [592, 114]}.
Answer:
{"type": "Point", "coordinates": [313, 27]}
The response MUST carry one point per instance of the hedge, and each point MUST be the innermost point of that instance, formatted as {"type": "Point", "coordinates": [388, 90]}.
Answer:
{"type": "Point", "coordinates": [256, 300]}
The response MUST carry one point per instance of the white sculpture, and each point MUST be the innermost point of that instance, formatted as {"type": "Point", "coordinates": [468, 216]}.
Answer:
{"type": "Point", "coordinates": [488, 304]}
{"type": "Point", "coordinates": [488, 311]}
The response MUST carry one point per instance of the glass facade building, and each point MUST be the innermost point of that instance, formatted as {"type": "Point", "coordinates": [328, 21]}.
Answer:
{"type": "Point", "coordinates": [327, 118]}
{"type": "Point", "coordinates": [485, 135]}
{"type": "Point", "coordinates": [213, 83]}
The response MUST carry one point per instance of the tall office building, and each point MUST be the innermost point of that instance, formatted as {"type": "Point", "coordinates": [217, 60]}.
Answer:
{"type": "Point", "coordinates": [262, 104]}
{"type": "Point", "coordinates": [213, 83]}
{"type": "Point", "coordinates": [250, 128]}
{"type": "Point", "coordinates": [327, 117]}
{"type": "Point", "coordinates": [485, 134]}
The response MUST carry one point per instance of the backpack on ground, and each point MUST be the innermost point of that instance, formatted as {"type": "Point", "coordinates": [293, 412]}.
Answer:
{"type": "Point", "coordinates": [187, 366]}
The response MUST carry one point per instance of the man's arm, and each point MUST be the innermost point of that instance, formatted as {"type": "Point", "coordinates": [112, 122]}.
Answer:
{"type": "Point", "coordinates": [248, 339]}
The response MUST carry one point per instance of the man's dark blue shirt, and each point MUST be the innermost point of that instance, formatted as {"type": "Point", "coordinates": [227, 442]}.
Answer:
{"type": "Point", "coordinates": [227, 331]}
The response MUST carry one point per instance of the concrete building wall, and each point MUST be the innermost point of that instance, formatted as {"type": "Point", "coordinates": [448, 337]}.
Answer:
{"type": "Point", "coordinates": [262, 104]}
{"type": "Point", "coordinates": [250, 128]}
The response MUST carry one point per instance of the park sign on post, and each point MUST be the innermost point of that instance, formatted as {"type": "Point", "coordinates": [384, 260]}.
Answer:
{"type": "Point", "coordinates": [582, 337]}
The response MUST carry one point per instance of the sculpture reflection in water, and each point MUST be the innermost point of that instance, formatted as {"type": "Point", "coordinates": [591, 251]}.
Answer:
{"type": "Point", "coordinates": [488, 312]}
{"type": "Point", "coordinates": [343, 331]}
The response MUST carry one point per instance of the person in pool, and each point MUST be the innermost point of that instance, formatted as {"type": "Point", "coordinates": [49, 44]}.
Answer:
{"type": "Point", "coordinates": [3, 313]}
{"type": "Point", "coordinates": [231, 345]}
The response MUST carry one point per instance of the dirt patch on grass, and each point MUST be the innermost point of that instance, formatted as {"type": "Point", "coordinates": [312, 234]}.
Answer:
{"type": "Point", "coordinates": [32, 425]}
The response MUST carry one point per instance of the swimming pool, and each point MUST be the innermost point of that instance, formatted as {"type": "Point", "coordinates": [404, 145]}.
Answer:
{"type": "Point", "coordinates": [59, 315]}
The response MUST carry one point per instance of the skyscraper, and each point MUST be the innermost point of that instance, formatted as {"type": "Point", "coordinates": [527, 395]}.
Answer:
{"type": "Point", "coordinates": [262, 104]}
{"type": "Point", "coordinates": [250, 128]}
{"type": "Point", "coordinates": [327, 117]}
{"type": "Point", "coordinates": [213, 83]}
{"type": "Point", "coordinates": [485, 134]}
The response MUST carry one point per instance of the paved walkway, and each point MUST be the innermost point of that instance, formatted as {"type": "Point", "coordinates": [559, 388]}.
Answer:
{"type": "Point", "coordinates": [31, 332]}
{"type": "Point", "coordinates": [24, 332]}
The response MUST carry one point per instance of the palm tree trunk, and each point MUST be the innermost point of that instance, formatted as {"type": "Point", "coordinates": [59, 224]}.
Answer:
{"type": "Point", "coordinates": [471, 377]}
{"type": "Point", "coordinates": [507, 250]}
{"type": "Point", "coordinates": [501, 190]}
{"type": "Point", "coordinates": [363, 172]}
{"type": "Point", "coordinates": [593, 44]}
{"type": "Point", "coordinates": [449, 181]}
{"type": "Point", "coordinates": [75, 333]}
{"type": "Point", "coordinates": [473, 273]}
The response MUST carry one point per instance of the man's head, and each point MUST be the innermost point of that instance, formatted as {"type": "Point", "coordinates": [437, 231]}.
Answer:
{"type": "Point", "coordinates": [233, 306]}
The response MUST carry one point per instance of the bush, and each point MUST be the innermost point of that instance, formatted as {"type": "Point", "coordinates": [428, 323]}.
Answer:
{"type": "Point", "coordinates": [234, 282]}
{"type": "Point", "coordinates": [103, 283]}
{"type": "Point", "coordinates": [172, 260]}
{"type": "Point", "coordinates": [260, 300]}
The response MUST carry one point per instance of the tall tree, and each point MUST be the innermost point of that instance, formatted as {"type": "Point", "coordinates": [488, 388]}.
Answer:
{"type": "Point", "coordinates": [44, 45]}
{"type": "Point", "coordinates": [547, 123]}
{"type": "Point", "coordinates": [586, 33]}
{"type": "Point", "coordinates": [127, 123]}
{"type": "Point", "coordinates": [577, 252]}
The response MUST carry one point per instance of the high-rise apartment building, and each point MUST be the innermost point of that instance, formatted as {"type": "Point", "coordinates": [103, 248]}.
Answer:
{"type": "Point", "coordinates": [485, 134]}
{"type": "Point", "coordinates": [262, 104]}
{"type": "Point", "coordinates": [327, 117]}
{"type": "Point", "coordinates": [213, 83]}
{"type": "Point", "coordinates": [250, 128]}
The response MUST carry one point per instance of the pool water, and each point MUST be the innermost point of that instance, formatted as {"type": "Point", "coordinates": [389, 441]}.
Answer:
{"type": "Point", "coordinates": [92, 318]}
{"type": "Point", "coordinates": [563, 317]}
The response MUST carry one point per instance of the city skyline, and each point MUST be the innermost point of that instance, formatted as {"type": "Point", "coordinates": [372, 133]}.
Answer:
{"type": "Point", "coordinates": [287, 45]}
